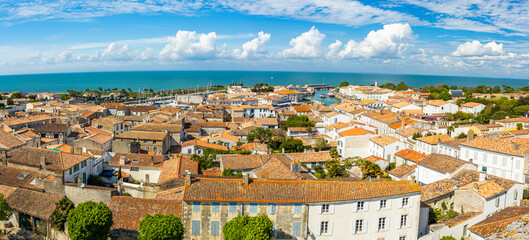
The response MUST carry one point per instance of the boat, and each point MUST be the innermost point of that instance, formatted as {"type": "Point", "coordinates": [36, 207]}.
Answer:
{"type": "Point", "coordinates": [323, 95]}
{"type": "Point", "coordinates": [330, 94]}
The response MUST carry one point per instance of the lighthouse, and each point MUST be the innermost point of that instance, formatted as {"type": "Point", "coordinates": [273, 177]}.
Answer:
{"type": "Point", "coordinates": [376, 83]}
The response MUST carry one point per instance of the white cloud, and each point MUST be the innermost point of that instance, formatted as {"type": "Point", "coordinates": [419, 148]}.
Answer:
{"type": "Point", "coordinates": [116, 53]}
{"type": "Point", "coordinates": [149, 53]}
{"type": "Point", "coordinates": [389, 42]}
{"type": "Point", "coordinates": [306, 45]}
{"type": "Point", "coordinates": [190, 45]}
{"type": "Point", "coordinates": [346, 12]}
{"type": "Point", "coordinates": [475, 48]}
{"type": "Point", "coordinates": [252, 48]}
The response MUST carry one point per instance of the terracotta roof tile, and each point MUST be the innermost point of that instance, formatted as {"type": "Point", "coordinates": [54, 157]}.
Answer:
{"type": "Point", "coordinates": [442, 163]}
{"type": "Point", "coordinates": [54, 160]}
{"type": "Point", "coordinates": [138, 160]}
{"type": "Point", "coordinates": [142, 135]}
{"type": "Point", "coordinates": [285, 191]}
{"type": "Point", "coordinates": [409, 132]}
{"type": "Point", "coordinates": [384, 140]}
{"type": "Point", "coordinates": [309, 157]}
{"type": "Point", "coordinates": [9, 141]}
{"type": "Point", "coordinates": [127, 212]}
{"type": "Point", "coordinates": [501, 146]}
{"type": "Point", "coordinates": [203, 144]}
{"type": "Point", "coordinates": [486, 189]}
{"type": "Point", "coordinates": [434, 139]}
{"type": "Point", "coordinates": [402, 170]}
{"type": "Point", "coordinates": [499, 221]}
{"type": "Point", "coordinates": [411, 155]}
{"type": "Point", "coordinates": [34, 203]}
{"type": "Point", "coordinates": [176, 167]}
{"type": "Point", "coordinates": [52, 128]}
{"type": "Point", "coordinates": [355, 132]}
{"type": "Point", "coordinates": [461, 218]}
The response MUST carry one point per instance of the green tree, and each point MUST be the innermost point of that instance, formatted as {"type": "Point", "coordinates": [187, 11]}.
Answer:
{"type": "Point", "coordinates": [447, 238]}
{"type": "Point", "coordinates": [62, 209]}
{"type": "Point", "coordinates": [462, 135]}
{"type": "Point", "coordinates": [248, 228]}
{"type": "Point", "coordinates": [519, 126]}
{"type": "Point", "coordinates": [335, 169]}
{"type": "Point", "coordinates": [297, 121]}
{"type": "Point", "coordinates": [161, 227]}
{"type": "Point", "coordinates": [5, 210]}
{"type": "Point", "coordinates": [445, 96]}
{"type": "Point", "coordinates": [206, 161]}
{"type": "Point", "coordinates": [292, 145]}
{"type": "Point", "coordinates": [10, 101]}
{"type": "Point", "coordinates": [96, 181]}
{"type": "Point", "coordinates": [227, 118]}
{"type": "Point", "coordinates": [89, 221]}
{"type": "Point", "coordinates": [16, 95]}
{"type": "Point", "coordinates": [344, 84]}
{"type": "Point", "coordinates": [321, 143]}
{"type": "Point", "coordinates": [388, 85]}
{"type": "Point", "coordinates": [334, 153]}
{"type": "Point", "coordinates": [401, 86]}
{"type": "Point", "coordinates": [262, 134]}
{"type": "Point", "coordinates": [228, 172]}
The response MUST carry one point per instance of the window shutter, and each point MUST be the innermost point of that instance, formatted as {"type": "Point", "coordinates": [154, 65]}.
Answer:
{"type": "Point", "coordinates": [365, 226]}
{"type": "Point", "coordinates": [388, 204]}
{"type": "Point", "coordinates": [319, 210]}
{"type": "Point", "coordinates": [398, 224]}
{"type": "Point", "coordinates": [410, 201]}
{"type": "Point", "coordinates": [355, 207]}
{"type": "Point", "coordinates": [318, 230]}
{"type": "Point", "coordinates": [330, 227]}
{"type": "Point", "coordinates": [400, 202]}
{"type": "Point", "coordinates": [378, 205]}
{"type": "Point", "coordinates": [331, 208]}
{"type": "Point", "coordinates": [366, 206]}
{"type": "Point", "coordinates": [410, 221]}
{"type": "Point", "coordinates": [354, 227]}
{"type": "Point", "coordinates": [387, 223]}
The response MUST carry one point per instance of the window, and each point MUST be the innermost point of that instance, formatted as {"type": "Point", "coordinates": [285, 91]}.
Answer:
{"type": "Point", "coordinates": [215, 207]}
{"type": "Point", "coordinates": [325, 208]}
{"type": "Point", "coordinates": [383, 204]}
{"type": "Point", "coordinates": [497, 201]}
{"type": "Point", "coordinates": [484, 169]}
{"type": "Point", "coordinates": [515, 194]}
{"type": "Point", "coordinates": [359, 206]}
{"type": "Point", "coordinates": [215, 228]}
{"type": "Point", "coordinates": [271, 209]}
{"type": "Point", "coordinates": [296, 229]}
{"type": "Point", "coordinates": [324, 227]}
{"type": "Point", "coordinates": [196, 206]}
{"type": "Point", "coordinates": [195, 227]}
{"type": "Point", "coordinates": [189, 151]}
{"type": "Point", "coordinates": [147, 148]}
{"type": "Point", "coordinates": [381, 224]}
{"type": "Point", "coordinates": [144, 141]}
{"type": "Point", "coordinates": [297, 208]}
{"type": "Point", "coordinates": [135, 169]}
{"type": "Point", "coordinates": [71, 171]}
{"type": "Point", "coordinates": [155, 149]}
{"type": "Point", "coordinates": [233, 208]}
{"type": "Point", "coordinates": [359, 226]}
{"type": "Point", "coordinates": [405, 201]}
{"type": "Point", "coordinates": [403, 220]}
{"type": "Point", "coordinates": [402, 238]}
{"type": "Point", "coordinates": [253, 207]}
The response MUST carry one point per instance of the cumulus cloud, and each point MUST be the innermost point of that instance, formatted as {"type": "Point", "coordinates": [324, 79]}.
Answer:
{"type": "Point", "coordinates": [475, 48]}
{"type": "Point", "coordinates": [306, 45]}
{"type": "Point", "coordinates": [190, 45]}
{"type": "Point", "coordinates": [114, 52]}
{"type": "Point", "coordinates": [253, 47]}
{"type": "Point", "coordinates": [387, 43]}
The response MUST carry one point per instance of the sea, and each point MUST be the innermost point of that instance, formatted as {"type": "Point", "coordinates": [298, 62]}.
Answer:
{"type": "Point", "coordinates": [168, 80]}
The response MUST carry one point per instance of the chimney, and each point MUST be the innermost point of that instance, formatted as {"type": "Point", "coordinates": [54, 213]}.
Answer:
{"type": "Point", "coordinates": [413, 180]}
{"type": "Point", "coordinates": [470, 136]}
{"type": "Point", "coordinates": [152, 160]}
{"type": "Point", "coordinates": [295, 166]}
{"type": "Point", "coordinates": [122, 160]}
{"type": "Point", "coordinates": [475, 187]}
{"type": "Point", "coordinates": [43, 162]}
{"type": "Point", "coordinates": [403, 125]}
{"type": "Point", "coordinates": [187, 181]}
{"type": "Point", "coordinates": [245, 179]}
{"type": "Point", "coordinates": [283, 150]}
{"type": "Point", "coordinates": [381, 111]}
{"type": "Point", "coordinates": [482, 176]}
{"type": "Point", "coordinates": [147, 178]}
{"type": "Point", "coordinates": [78, 151]}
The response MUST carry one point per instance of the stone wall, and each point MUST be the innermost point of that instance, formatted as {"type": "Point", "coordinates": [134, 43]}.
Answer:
{"type": "Point", "coordinates": [90, 193]}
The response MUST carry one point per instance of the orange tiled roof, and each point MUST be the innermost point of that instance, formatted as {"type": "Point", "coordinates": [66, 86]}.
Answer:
{"type": "Point", "coordinates": [127, 212]}
{"type": "Point", "coordinates": [410, 155]}
{"type": "Point", "coordinates": [499, 221]}
{"type": "Point", "coordinates": [355, 132]}
{"type": "Point", "coordinates": [302, 108]}
{"type": "Point", "coordinates": [501, 146]}
{"type": "Point", "coordinates": [408, 132]}
{"type": "Point", "coordinates": [434, 139]}
{"type": "Point", "coordinates": [402, 170]}
{"type": "Point", "coordinates": [486, 189]}
{"type": "Point", "coordinates": [471, 104]}
{"type": "Point", "coordinates": [384, 140]}
{"type": "Point", "coordinates": [204, 144]}
{"type": "Point", "coordinates": [442, 163]}
{"type": "Point", "coordinates": [288, 191]}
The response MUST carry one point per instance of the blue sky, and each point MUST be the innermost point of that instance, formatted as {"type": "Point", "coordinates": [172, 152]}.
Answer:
{"type": "Point", "coordinates": [442, 37]}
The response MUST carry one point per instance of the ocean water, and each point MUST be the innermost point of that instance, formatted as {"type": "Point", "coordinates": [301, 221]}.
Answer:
{"type": "Point", "coordinates": [166, 80]}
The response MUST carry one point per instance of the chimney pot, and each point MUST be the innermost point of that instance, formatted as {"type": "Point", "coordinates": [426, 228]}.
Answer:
{"type": "Point", "coordinates": [152, 160]}
{"type": "Point", "coordinates": [476, 187]}
{"type": "Point", "coordinates": [43, 162]}
{"type": "Point", "coordinates": [188, 178]}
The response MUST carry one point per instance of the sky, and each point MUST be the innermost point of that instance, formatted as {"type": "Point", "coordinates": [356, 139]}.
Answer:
{"type": "Point", "coordinates": [487, 38]}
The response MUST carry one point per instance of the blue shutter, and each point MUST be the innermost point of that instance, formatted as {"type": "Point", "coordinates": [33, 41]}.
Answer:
{"type": "Point", "coordinates": [297, 208]}
{"type": "Point", "coordinates": [296, 229]}
{"type": "Point", "coordinates": [195, 227]}
{"type": "Point", "coordinates": [215, 207]}
{"type": "Point", "coordinates": [233, 207]}
{"type": "Point", "coordinates": [215, 228]}
{"type": "Point", "coordinates": [196, 206]}
{"type": "Point", "coordinates": [253, 207]}
{"type": "Point", "coordinates": [271, 209]}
